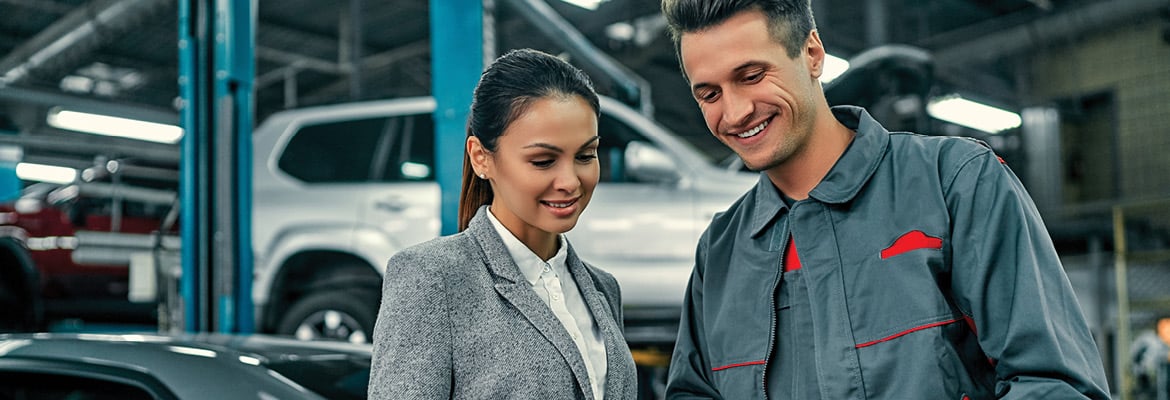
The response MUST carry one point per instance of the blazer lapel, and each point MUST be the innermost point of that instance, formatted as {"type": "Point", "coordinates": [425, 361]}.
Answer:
{"type": "Point", "coordinates": [513, 287]}
{"type": "Point", "coordinates": [616, 349]}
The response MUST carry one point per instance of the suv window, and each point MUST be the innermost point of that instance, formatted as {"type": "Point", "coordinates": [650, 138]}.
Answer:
{"type": "Point", "coordinates": [615, 136]}
{"type": "Point", "coordinates": [386, 149]}
{"type": "Point", "coordinates": [407, 153]}
{"type": "Point", "coordinates": [333, 152]}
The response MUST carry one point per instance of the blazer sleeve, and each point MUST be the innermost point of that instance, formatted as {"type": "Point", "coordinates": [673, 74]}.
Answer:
{"type": "Point", "coordinates": [412, 334]}
{"type": "Point", "coordinates": [1007, 277]}
{"type": "Point", "coordinates": [688, 377]}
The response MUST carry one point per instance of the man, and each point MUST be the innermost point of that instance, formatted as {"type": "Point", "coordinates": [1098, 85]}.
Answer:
{"type": "Point", "coordinates": [1150, 355]}
{"type": "Point", "coordinates": [865, 264]}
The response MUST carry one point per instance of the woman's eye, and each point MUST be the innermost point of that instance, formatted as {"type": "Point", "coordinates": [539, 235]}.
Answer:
{"type": "Point", "coordinates": [542, 163]}
{"type": "Point", "coordinates": [586, 158]}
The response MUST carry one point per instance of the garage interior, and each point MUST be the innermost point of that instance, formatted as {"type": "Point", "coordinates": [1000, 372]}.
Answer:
{"type": "Point", "coordinates": [1088, 78]}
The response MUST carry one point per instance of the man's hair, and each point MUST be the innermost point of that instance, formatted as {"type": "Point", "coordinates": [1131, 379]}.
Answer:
{"type": "Point", "coordinates": [789, 21]}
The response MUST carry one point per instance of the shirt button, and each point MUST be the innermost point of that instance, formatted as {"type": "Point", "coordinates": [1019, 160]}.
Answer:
{"type": "Point", "coordinates": [556, 297]}
{"type": "Point", "coordinates": [546, 269]}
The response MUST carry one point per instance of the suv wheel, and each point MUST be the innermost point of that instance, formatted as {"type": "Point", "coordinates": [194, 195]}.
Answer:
{"type": "Point", "coordinates": [333, 315]}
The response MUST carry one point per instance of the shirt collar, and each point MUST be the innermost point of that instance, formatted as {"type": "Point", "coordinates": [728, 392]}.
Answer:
{"type": "Point", "coordinates": [856, 165]}
{"type": "Point", "coordinates": [530, 265]}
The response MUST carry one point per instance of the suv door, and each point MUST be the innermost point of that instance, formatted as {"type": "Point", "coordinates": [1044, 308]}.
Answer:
{"type": "Point", "coordinates": [402, 203]}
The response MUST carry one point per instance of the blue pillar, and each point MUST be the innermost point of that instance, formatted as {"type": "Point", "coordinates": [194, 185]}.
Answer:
{"type": "Point", "coordinates": [216, 70]}
{"type": "Point", "coordinates": [456, 63]}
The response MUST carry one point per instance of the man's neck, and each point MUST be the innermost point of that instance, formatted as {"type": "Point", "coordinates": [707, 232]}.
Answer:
{"type": "Point", "coordinates": [798, 176]}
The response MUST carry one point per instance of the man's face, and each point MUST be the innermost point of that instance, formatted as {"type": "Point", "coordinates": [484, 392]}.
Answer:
{"type": "Point", "coordinates": [1163, 329]}
{"type": "Point", "coordinates": [755, 99]}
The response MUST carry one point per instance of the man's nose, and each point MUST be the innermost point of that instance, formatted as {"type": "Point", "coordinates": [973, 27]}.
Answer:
{"type": "Point", "coordinates": [737, 109]}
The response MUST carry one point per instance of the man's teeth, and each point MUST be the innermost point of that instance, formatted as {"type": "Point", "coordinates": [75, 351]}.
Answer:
{"type": "Point", "coordinates": [754, 131]}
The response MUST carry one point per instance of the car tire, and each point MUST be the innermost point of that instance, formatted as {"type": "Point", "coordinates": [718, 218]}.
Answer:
{"type": "Point", "coordinates": [19, 310]}
{"type": "Point", "coordinates": [335, 314]}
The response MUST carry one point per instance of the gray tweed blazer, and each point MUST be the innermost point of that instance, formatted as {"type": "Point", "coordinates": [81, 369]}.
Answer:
{"type": "Point", "coordinates": [459, 321]}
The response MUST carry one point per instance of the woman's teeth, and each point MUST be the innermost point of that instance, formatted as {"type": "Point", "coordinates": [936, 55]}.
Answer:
{"type": "Point", "coordinates": [558, 205]}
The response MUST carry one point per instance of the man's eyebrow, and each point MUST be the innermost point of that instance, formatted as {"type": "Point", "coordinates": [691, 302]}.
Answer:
{"type": "Point", "coordinates": [739, 68]}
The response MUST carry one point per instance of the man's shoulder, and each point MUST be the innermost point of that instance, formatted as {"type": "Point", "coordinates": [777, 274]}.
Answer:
{"type": "Point", "coordinates": [943, 151]}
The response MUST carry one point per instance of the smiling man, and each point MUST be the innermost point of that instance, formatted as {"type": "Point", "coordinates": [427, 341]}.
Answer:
{"type": "Point", "coordinates": [865, 264]}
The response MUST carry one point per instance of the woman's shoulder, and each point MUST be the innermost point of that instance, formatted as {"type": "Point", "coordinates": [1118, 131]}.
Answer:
{"type": "Point", "coordinates": [433, 255]}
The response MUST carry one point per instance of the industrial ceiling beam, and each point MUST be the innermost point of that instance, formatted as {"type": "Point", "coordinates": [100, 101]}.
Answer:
{"type": "Point", "coordinates": [991, 40]}
{"type": "Point", "coordinates": [94, 145]}
{"type": "Point", "coordinates": [76, 35]}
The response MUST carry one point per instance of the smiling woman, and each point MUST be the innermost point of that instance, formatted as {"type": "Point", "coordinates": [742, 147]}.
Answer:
{"type": "Point", "coordinates": [470, 315]}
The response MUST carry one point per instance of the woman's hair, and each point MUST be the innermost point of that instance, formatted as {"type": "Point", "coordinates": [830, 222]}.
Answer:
{"type": "Point", "coordinates": [505, 91]}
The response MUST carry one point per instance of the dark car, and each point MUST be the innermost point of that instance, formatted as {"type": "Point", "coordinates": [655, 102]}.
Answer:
{"type": "Point", "coordinates": [188, 366]}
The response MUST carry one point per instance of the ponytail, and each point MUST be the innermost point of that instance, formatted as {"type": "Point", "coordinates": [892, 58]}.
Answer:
{"type": "Point", "coordinates": [474, 193]}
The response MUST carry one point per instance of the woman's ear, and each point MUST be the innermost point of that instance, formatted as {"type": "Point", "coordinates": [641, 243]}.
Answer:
{"type": "Point", "coordinates": [478, 156]}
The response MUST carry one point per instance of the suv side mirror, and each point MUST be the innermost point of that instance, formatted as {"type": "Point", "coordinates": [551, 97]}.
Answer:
{"type": "Point", "coordinates": [649, 164]}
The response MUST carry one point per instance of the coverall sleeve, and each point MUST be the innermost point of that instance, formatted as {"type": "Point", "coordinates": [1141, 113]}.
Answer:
{"type": "Point", "coordinates": [1008, 279]}
{"type": "Point", "coordinates": [412, 334]}
{"type": "Point", "coordinates": [689, 376]}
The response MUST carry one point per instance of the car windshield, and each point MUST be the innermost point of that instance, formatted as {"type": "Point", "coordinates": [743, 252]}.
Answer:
{"type": "Point", "coordinates": [333, 376]}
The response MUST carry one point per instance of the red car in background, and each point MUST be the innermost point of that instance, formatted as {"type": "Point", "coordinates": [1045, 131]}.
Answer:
{"type": "Point", "coordinates": [65, 252]}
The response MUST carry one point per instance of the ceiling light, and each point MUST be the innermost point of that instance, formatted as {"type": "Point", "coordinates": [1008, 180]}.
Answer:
{"type": "Point", "coordinates": [114, 126]}
{"type": "Point", "coordinates": [957, 110]}
{"type": "Point", "coordinates": [586, 4]}
{"type": "Point", "coordinates": [834, 67]}
{"type": "Point", "coordinates": [45, 173]}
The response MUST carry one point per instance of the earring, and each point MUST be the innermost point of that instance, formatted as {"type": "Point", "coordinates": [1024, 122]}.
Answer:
{"type": "Point", "coordinates": [483, 176]}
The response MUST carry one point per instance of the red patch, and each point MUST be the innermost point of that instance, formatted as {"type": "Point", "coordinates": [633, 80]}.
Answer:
{"type": "Point", "coordinates": [791, 261]}
{"type": "Point", "coordinates": [742, 364]}
{"type": "Point", "coordinates": [912, 240]}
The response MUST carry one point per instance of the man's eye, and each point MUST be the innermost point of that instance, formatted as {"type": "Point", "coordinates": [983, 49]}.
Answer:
{"type": "Point", "coordinates": [542, 163]}
{"type": "Point", "coordinates": [709, 96]}
{"type": "Point", "coordinates": [753, 77]}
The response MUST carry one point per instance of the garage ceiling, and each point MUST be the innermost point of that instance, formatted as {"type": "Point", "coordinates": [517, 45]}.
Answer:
{"type": "Point", "coordinates": [120, 56]}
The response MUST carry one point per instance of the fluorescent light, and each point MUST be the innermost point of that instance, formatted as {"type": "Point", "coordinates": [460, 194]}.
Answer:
{"type": "Point", "coordinates": [114, 126]}
{"type": "Point", "coordinates": [586, 4]}
{"type": "Point", "coordinates": [834, 67]}
{"type": "Point", "coordinates": [45, 173]}
{"type": "Point", "coordinates": [957, 110]}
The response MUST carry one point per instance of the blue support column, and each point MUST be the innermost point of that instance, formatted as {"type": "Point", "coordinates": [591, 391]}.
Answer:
{"type": "Point", "coordinates": [216, 72]}
{"type": "Point", "coordinates": [456, 63]}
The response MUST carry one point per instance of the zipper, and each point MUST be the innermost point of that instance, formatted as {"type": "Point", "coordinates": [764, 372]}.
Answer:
{"type": "Point", "coordinates": [772, 310]}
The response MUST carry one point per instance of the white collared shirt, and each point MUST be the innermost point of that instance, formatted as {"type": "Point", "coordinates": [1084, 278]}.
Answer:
{"type": "Point", "coordinates": [555, 285]}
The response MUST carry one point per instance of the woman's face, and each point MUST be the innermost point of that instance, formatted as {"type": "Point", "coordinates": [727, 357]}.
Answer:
{"type": "Point", "coordinates": [545, 168]}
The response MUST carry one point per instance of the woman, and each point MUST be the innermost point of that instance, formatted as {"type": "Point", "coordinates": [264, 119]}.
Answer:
{"type": "Point", "coordinates": [505, 309]}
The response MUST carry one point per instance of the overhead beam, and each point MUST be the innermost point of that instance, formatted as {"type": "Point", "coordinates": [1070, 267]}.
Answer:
{"type": "Point", "coordinates": [370, 63]}
{"type": "Point", "coordinates": [94, 145]}
{"type": "Point", "coordinates": [991, 40]}
{"type": "Point", "coordinates": [92, 105]}
{"type": "Point", "coordinates": [76, 35]}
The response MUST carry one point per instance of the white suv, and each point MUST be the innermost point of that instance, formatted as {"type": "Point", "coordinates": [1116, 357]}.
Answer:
{"type": "Point", "coordinates": [339, 189]}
